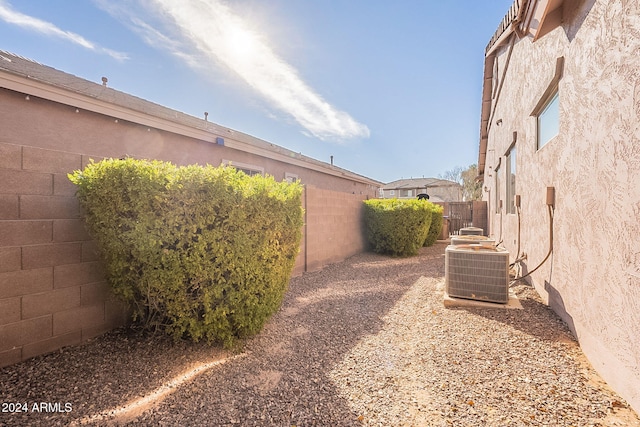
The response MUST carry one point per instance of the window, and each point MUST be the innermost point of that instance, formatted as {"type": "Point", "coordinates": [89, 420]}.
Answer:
{"type": "Point", "coordinates": [250, 172]}
{"type": "Point", "coordinates": [291, 177]}
{"type": "Point", "coordinates": [549, 121]}
{"type": "Point", "coordinates": [511, 180]}
{"type": "Point", "coordinates": [245, 167]}
{"type": "Point", "coordinates": [547, 110]}
{"type": "Point", "coordinates": [406, 193]}
{"type": "Point", "coordinates": [392, 192]}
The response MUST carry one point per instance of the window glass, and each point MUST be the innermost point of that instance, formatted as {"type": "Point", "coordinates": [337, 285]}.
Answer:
{"type": "Point", "coordinates": [549, 121]}
{"type": "Point", "coordinates": [290, 177]}
{"type": "Point", "coordinates": [250, 172]}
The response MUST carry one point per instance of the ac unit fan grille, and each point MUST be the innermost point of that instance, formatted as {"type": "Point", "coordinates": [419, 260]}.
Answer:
{"type": "Point", "coordinates": [478, 275]}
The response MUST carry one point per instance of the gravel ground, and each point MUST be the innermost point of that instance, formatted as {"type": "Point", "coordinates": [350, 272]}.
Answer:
{"type": "Point", "coordinates": [364, 342]}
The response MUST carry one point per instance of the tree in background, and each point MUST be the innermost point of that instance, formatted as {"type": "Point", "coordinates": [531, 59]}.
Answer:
{"type": "Point", "coordinates": [466, 177]}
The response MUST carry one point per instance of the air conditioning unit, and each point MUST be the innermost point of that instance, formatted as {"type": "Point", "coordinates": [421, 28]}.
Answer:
{"type": "Point", "coordinates": [471, 231]}
{"type": "Point", "coordinates": [477, 272]}
{"type": "Point", "coordinates": [471, 239]}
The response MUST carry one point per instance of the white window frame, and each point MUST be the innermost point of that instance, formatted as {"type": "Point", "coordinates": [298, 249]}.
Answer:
{"type": "Point", "coordinates": [247, 168]}
{"type": "Point", "coordinates": [291, 177]}
{"type": "Point", "coordinates": [548, 121]}
{"type": "Point", "coordinates": [550, 97]}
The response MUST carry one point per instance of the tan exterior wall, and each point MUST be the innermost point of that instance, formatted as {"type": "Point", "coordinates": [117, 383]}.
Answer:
{"type": "Point", "coordinates": [52, 288]}
{"type": "Point", "coordinates": [592, 280]}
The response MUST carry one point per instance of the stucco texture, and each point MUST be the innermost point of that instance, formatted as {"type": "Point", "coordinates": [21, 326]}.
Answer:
{"type": "Point", "coordinates": [592, 278]}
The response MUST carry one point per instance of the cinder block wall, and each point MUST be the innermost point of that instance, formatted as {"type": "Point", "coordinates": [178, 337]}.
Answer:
{"type": "Point", "coordinates": [333, 228]}
{"type": "Point", "coordinates": [52, 287]}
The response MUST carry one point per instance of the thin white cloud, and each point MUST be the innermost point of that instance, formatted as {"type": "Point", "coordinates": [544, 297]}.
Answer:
{"type": "Point", "coordinates": [210, 34]}
{"type": "Point", "coordinates": [11, 16]}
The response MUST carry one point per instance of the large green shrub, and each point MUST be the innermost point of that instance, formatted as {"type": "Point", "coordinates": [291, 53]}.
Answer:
{"type": "Point", "coordinates": [435, 229]}
{"type": "Point", "coordinates": [397, 227]}
{"type": "Point", "coordinates": [199, 252]}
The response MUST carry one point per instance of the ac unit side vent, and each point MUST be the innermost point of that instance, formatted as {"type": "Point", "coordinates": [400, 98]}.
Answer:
{"type": "Point", "coordinates": [471, 239]}
{"type": "Point", "coordinates": [471, 231]}
{"type": "Point", "coordinates": [481, 275]}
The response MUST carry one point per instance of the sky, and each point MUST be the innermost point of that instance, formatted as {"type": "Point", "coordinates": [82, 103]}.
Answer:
{"type": "Point", "coordinates": [391, 90]}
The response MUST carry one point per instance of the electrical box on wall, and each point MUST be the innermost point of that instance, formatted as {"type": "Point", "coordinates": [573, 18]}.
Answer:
{"type": "Point", "coordinates": [551, 196]}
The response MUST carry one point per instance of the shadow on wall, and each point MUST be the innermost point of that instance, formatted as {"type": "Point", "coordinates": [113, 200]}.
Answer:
{"type": "Point", "coordinates": [556, 303]}
{"type": "Point", "coordinates": [572, 29]}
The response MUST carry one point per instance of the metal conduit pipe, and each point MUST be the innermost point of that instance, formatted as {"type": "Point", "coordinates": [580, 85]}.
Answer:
{"type": "Point", "coordinates": [550, 209]}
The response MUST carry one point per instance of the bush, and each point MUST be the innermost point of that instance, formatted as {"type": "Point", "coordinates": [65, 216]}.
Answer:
{"type": "Point", "coordinates": [199, 252]}
{"type": "Point", "coordinates": [435, 229]}
{"type": "Point", "coordinates": [397, 227]}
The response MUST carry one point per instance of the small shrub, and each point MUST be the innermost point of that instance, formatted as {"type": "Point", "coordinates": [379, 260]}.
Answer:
{"type": "Point", "coordinates": [199, 252]}
{"type": "Point", "coordinates": [397, 227]}
{"type": "Point", "coordinates": [435, 229]}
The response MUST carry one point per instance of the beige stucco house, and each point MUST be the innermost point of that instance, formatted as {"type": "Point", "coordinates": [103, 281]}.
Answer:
{"type": "Point", "coordinates": [560, 134]}
{"type": "Point", "coordinates": [439, 190]}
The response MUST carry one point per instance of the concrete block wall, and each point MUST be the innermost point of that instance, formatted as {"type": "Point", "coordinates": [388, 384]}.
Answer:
{"type": "Point", "coordinates": [52, 287]}
{"type": "Point", "coordinates": [53, 291]}
{"type": "Point", "coordinates": [333, 228]}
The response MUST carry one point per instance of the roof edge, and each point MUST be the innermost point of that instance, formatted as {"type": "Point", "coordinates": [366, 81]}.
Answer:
{"type": "Point", "coordinates": [24, 83]}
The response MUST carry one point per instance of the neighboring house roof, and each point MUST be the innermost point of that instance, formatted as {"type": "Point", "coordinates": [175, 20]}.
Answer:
{"type": "Point", "coordinates": [525, 17]}
{"type": "Point", "coordinates": [418, 183]}
{"type": "Point", "coordinates": [32, 78]}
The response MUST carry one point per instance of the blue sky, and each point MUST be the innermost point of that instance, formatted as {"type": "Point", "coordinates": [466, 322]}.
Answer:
{"type": "Point", "coordinates": [390, 89]}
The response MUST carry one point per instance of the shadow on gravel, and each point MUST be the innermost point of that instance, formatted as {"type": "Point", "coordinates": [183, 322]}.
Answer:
{"type": "Point", "coordinates": [552, 328]}
{"type": "Point", "coordinates": [282, 380]}
{"type": "Point", "coordinates": [95, 376]}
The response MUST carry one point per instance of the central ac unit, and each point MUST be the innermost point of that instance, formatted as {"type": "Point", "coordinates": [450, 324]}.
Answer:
{"type": "Point", "coordinates": [477, 272]}
{"type": "Point", "coordinates": [471, 239]}
{"type": "Point", "coordinates": [471, 231]}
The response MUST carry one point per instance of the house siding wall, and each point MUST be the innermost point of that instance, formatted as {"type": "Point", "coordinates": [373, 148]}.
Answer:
{"type": "Point", "coordinates": [592, 279]}
{"type": "Point", "coordinates": [52, 287]}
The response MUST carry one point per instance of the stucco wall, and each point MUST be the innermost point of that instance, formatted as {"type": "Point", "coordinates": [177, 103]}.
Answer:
{"type": "Point", "coordinates": [52, 288]}
{"type": "Point", "coordinates": [593, 277]}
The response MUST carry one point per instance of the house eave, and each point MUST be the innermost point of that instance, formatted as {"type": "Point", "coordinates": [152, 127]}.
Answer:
{"type": "Point", "coordinates": [524, 17]}
{"type": "Point", "coordinates": [208, 131]}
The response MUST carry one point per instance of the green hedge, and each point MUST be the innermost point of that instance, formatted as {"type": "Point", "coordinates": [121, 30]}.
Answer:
{"type": "Point", "coordinates": [436, 224]}
{"type": "Point", "coordinates": [397, 227]}
{"type": "Point", "coordinates": [198, 252]}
